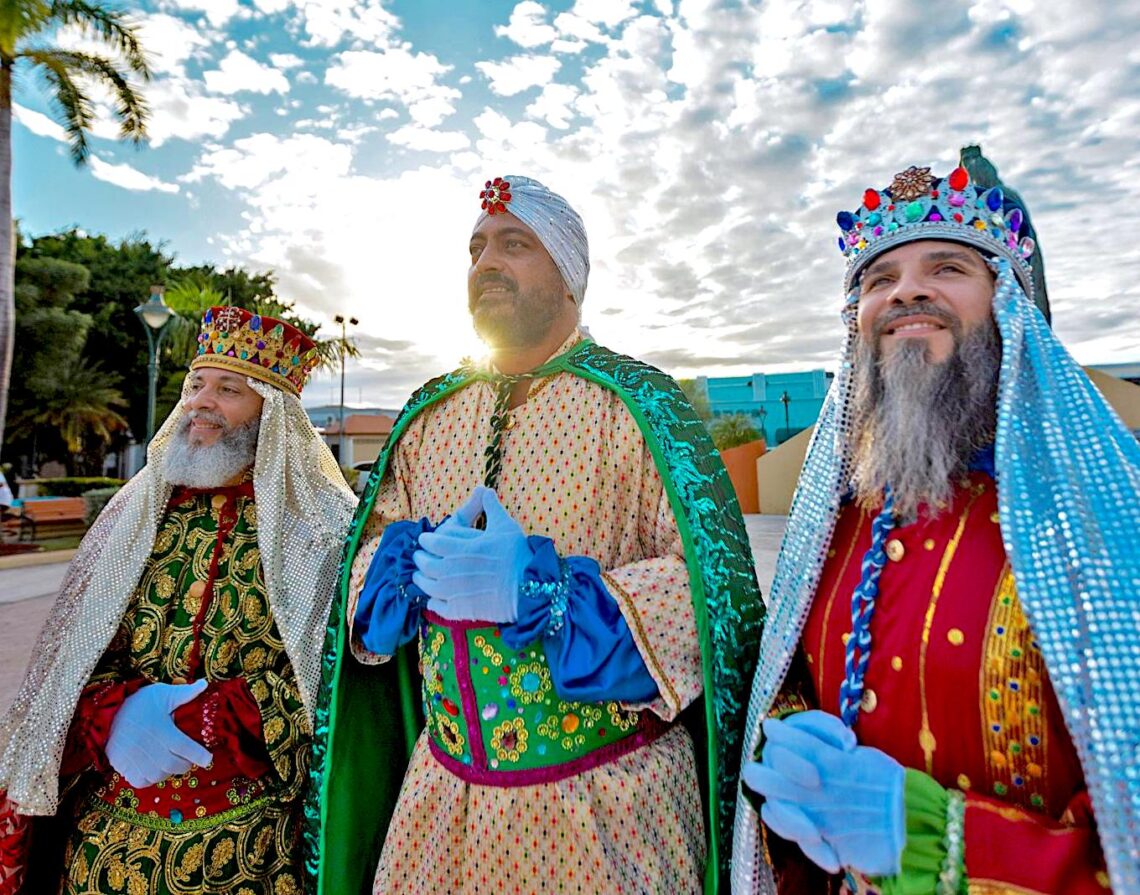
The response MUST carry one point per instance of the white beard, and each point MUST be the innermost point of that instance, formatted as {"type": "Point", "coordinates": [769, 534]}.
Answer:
{"type": "Point", "coordinates": [210, 465]}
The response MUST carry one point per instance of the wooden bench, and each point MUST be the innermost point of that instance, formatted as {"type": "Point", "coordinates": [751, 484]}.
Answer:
{"type": "Point", "coordinates": [57, 515]}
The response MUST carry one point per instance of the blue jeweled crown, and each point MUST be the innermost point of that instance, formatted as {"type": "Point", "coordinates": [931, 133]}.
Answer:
{"type": "Point", "coordinates": [919, 206]}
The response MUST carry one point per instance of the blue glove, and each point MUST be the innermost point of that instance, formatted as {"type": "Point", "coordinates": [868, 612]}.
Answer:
{"type": "Point", "coordinates": [842, 803]}
{"type": "Point", "coordinates": [470, 574]}
{"type": "Point", "coordinates": [145, 745]}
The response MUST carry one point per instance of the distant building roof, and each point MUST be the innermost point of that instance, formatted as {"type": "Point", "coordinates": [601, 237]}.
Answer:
{"type": "Point", "coordinates": [362, 424]}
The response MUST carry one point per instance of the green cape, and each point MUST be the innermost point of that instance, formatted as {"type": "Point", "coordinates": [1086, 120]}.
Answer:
{"type": "Point", "coordinates": [368, 715]}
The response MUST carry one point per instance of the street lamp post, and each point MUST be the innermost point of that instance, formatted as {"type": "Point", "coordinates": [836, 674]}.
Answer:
{"type": "Point", "coordinates": [155, 314]}
{"type": "Point", "coordinates": [785, 399]}
{"type": "Point", "coordinates": [763, 414]}
{"type": "Point", "coordinates": [340, 432]}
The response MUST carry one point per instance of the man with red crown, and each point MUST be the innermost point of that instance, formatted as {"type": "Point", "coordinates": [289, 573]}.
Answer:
{"type": "Point", "coordinates": [160, 741]}
{"type": "Point", "coordinates": [946, 697]}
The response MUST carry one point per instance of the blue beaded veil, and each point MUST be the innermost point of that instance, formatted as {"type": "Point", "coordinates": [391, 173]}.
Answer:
{"type": "Point", "coordinates": [1068, 477]}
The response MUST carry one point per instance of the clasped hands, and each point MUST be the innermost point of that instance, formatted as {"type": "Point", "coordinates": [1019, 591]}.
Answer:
{"type": "Point", "coordinates": [471, 574]}
{"type": "Point", "coordinates": [842, 803]}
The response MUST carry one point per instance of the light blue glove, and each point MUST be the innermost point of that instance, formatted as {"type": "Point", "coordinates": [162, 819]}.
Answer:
{"type": "Point", "coordinates": [145, 745]}
{"type": "Point", "coordinates": [470, 574]}
{"type": "Point", "coordinates": [842, 803]}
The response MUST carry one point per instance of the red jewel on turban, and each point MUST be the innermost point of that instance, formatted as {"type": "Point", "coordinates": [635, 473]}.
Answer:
{"type": "Point", "coordinates": [870, 200]}
{"type": "Point", "coordinates": [959, 179]}
{"type": "Point", "coordinates": [495, 195]}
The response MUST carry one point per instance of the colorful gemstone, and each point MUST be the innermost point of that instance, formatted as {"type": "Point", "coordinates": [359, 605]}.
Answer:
{"type": "Point", "coordinates": [874, 219]}
{"type": "Point", "coordinates": [490, 711]}
{"type": "Point", "coordinates": [935, 216]}
{"type": "Point", "coordinates": [959, 179]}
{"type": "Point", "coordinates": [871, 200]}
{"type": "Point", "coordinates": [957, 201]}
{"type": "Point", "coordinates": [570, 723]}
{"type": "Point", "coordinates": [845, 220]}
{"type": "Point", "coordinates": [450, 707]}
{"type": "Point", "coordinates": [1027, 245]}
{"type": "Point", "coordinates": [530, 682]}
{"type": "Point", "coordinates": [994, 198]}
{"type": "Point", "coordinates": [175, 816]}
{"type": "Point", "coordinates": [1015, 220]}
{"type": "Point", "coordinates": [913, 211]}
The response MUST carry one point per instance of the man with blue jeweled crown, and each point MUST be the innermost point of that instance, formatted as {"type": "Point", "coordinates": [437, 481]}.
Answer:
{"type": "Point", "coordinates": [160, 742]}
{"type": "Point", "coordinates": [947, 694]}
{"type": "Point", "coordinates": [554, 533]}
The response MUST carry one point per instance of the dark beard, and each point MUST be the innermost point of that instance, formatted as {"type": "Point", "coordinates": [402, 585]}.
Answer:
{"type": "Point", "coordinates": [517, 319]}
{"type": "Point", "coordinates": [918, 424]}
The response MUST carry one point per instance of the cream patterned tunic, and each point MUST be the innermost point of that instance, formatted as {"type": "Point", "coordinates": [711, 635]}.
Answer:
{"type": "Point", "coordinates": [577, 470]}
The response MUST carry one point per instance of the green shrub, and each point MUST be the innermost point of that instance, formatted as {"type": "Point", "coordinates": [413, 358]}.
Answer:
{"type": "Point", "coordinates": [96, 499]}
{"type": "Point", "coordinates": [74, 486]}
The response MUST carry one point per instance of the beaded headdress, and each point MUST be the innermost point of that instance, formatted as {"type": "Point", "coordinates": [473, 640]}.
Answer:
{"type": "Point", "coordinates": [558, 226]}
{"type": "Point", "coordinates": [918, 205]}
{"type": "Point", "coordinates": [262, 347]}
{"type": "Point", "coordinates": [1068, 482]}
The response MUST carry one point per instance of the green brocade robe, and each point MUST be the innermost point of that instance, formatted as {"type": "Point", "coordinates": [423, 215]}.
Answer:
{"type": "Point", "coordinates": [368, 714]}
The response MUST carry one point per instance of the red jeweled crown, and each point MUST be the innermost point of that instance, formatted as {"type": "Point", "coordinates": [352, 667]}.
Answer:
{"type": "Point", "coordinates": [262, 347]}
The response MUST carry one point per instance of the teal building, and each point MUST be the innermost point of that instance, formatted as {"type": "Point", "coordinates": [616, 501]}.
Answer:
{"type": "Point", "coordinates": [779, 404]}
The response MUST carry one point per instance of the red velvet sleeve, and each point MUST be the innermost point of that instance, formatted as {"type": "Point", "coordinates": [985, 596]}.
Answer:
{"type": "Point", "coordinates": [1010, 846]}
{"type": "Point", "coordinates": [226, 717]}
{"type": "Point", "coordinates": [91, 724]}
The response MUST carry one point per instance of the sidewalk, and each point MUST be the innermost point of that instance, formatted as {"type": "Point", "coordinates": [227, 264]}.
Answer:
{"type": "Point", "coordinates": [26, 595]}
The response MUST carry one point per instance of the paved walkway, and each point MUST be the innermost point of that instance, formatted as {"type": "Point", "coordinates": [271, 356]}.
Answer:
{"type": "Point", "coordinates": [26, 595]}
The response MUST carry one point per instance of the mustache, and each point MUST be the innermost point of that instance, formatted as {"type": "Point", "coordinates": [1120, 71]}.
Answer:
{"type": "Point", "coordinates": [893, 315]}
{"type": "Point", "coordinates": [207, 416]}
{"type": "Point", "coordinates": [495, 279]}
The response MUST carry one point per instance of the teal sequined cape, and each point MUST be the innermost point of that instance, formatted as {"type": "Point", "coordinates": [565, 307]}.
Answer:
{"type": "Point", "coordinates": [367, 714]}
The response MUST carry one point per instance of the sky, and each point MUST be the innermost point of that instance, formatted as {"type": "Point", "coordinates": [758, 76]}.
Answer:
{"type": "Point", "coordinates": [708, 146]}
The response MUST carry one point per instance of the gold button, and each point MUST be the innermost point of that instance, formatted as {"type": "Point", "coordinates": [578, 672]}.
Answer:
{"type": "Point", "coordinates": [963, 782]}
{"type": "Point", "coordinates": [955, 636]}
{"type": "Point", "coordinates": [895, 550]}
{"type": "Point", "coordinates": [896, 663]}
{"type": "Point", "coordinates": [1102, 878]}
{"type": "Point", "coordinates": [509, 423]}
{"type": "Point", "coordinates": [197, 589]}
{"type": "Point", "coordinates": [810, 659]}
{"type": "Point", "coordinates": [928, 543]}
{"type": "Point", "coordinates": [831, 553]}
{"type": "Point", "coordinates": [995, 518]}
{"type": "Point", "coordinates": [869, 702]}
{"type": "Point", "coordinates": [845, 638]}
{"type": "Point", "coordinates": [926, 740]}
{"type": "Point", "coordinates": [218, 501]}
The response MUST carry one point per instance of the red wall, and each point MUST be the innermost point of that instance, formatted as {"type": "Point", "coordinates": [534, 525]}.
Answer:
{"type": "Point", "coordinates": [740, 462]}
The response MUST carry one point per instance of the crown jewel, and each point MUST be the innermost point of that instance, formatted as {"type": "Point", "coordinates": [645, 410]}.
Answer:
{"type": "Point", "coordinates": [919, 206]}
{"type": "Point", "coordinates": [262, 347]}
{"type": "Point", "coordinates": [495, 195]}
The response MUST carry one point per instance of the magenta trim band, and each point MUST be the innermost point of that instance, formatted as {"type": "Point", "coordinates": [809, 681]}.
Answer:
{"type": "Point", "coordinates": [650, 729]}
{"type": "Point", "coordinates": [462, 665]}
{"type": "Point", "coordinates": [454, 625]}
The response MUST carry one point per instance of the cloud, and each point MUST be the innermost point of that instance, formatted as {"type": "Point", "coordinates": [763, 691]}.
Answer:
{"type": "Point", "coordinates": [180, 110]}
{"type": "Point", "coordinates": [554, 105]}
{"type": "Point", "coordinates": [399, 74]}
{"type": "Point", "coordinates": [218, 12]}
{"type": "Point", "coordinates": [261, 159]}
{"type": "Point", "coordinates": [38, 123]}
{"type": "Point", "coordinates": [238, 73]}
{"type": "Point", "coordinates": [170, 42]}
{"type": "Point", "coordinates": [285, 60]}
{"type": "Point", "coordinates": [527, 26]}
{"type": "Point", "coordinates": [327, 22]}
{"type": "Point", "coordinates": [425, 138]}
{"type": "Point", "coordinates": [128, 178]}
{"type": "Point", "coordinates": [518, 73]}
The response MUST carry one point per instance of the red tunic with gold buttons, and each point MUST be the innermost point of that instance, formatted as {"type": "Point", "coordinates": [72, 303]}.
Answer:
{"type": "Point", "coordinates": [957, 688]}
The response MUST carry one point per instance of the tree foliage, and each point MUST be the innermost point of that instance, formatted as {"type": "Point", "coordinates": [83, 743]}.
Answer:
{"type": "Point", "coordinates": [733, 431]}
{"type": "Point", "coordinates": [698, 397]}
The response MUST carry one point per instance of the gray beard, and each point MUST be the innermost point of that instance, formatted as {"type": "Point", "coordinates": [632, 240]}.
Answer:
{"type": "Point", "coordinates": [210, 465]}
{"type": "Point", "coordinates": [918, 424]}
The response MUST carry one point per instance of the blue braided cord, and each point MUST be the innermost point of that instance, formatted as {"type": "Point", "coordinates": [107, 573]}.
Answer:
{"type": "Point", "coordinates": [858, 652]}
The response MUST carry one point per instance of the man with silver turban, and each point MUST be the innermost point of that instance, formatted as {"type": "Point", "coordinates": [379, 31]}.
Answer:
{"type": "Point", "coordinates": [554, 532]}
{"type": "Point", "coordinates": [166, 717]}
{"type": "Point", "coordinates": [948, 692]}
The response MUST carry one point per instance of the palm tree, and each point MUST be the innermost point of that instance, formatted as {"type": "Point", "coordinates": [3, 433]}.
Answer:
{"type": "Point", "coordinates": [732, 431]}
{"type": "Point", "coordinates": [25, 26]}
{"type": "Point", "coordinates": [82, 406]}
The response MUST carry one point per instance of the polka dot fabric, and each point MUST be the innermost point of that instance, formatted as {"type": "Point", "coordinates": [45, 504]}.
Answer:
{"type": "Point", "coordinates": [575, 469]}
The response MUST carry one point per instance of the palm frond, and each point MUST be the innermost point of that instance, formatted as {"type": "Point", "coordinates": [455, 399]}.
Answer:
{"type": "Point", "coordinates": [130, 108]}
{"type": "Point", "coordinates": [109, 25]}
{"type": "Point", "coordinates": [74, 105]}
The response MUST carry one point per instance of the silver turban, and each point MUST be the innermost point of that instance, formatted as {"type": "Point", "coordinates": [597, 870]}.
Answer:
{"type": "Point", "coordinates": [557, 225]}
